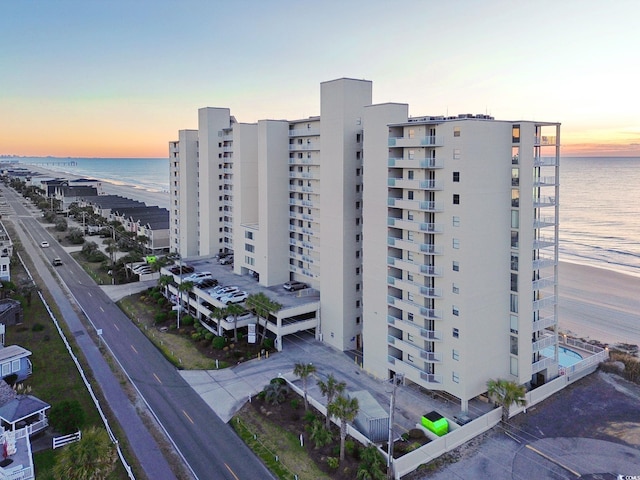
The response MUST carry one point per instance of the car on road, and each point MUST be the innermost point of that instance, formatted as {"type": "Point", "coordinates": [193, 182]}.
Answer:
{"type": "Point", "coordinates": [234, 297]}
{"type": "Point", "coordinates": [44, 244]}
{"type": "Point", "coordinates": [294, 285]}
{"type": "Point", "coordinates": [56, 262]}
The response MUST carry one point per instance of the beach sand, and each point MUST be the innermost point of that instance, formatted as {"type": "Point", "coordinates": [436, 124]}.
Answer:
{"type": "Point", "coordinates": [594, 303]}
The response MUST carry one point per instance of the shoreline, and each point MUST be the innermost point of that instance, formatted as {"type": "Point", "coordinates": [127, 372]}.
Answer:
{"type": "Point", "coordinates": [594, 303]}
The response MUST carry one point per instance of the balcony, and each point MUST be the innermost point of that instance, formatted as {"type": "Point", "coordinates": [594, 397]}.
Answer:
{"type": "Point", "coordinates": [545, 140]}
{"type": "Point", "coordinates": [417, 205]}
{"type": "Point", "coordinates": [301, 175]}
{"type": "Point", "coordinates": [544, 242]}
{"type": "Point", "coordinates": [544, 302]}
{"type": "Point", "coordinates": [414, 226]}
{"type": "Point", "coordinates": [544, 322]}
{"type": "Point", "coordinates": [546, 341]}
{"type": "Point", "coordinates": [545, 162]}
{"type": "Point", "coordinates": [301, 161]}
{"type": "Point", "coordinates": [399, 162]}
{"type": "Point", "coordinates": [544, 262]}
{"type": "Point", "coordinates": [414, 287]}
{"type": "Point", "coordinates": [431, 185]}
{"type": "Point", "coordinates": [430, 141]}
{"type": "Point", "coordinates": [543, 222]}
{"type": "Point", "coordinates": [540, 365]}
{"type": "Point", "coordinates": [544, 182]}
{"type": "Point", "coordinates": [430, 357]}
{"type": "Point", "coordinates": [423, 248]}
{"type": "Point", "coordinates": [304, 132]}
{"type": "Point", "coordinates": [304, 146]}
{"type": "Point", "coordinates": [544, 283]}
{"type": "Point", "coordinates": [416, 309]}
{"type": "Point", "coordinates": [413, 373]}
{"type": "Point", "coordinates": [546, 201]}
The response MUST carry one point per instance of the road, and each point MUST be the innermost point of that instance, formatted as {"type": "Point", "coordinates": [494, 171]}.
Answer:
{"type": "Point", "coordinates": [209, 447]}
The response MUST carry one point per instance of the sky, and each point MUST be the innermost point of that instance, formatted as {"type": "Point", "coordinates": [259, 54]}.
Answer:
{"type": "Point", "coordinates": [120, 78]}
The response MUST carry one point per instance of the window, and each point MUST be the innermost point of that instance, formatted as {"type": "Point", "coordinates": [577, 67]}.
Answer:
{"type": "Point", "coordinates": [455, 311]}
{"type": "Point", "coordinates": [410, 235]}
{"type": "Point", "coordinates": [455, 243]}
{"type": "Point", "coordinates": [456, 176]}
{"type": "Point", "coordinates": [357, 320]}
{"type": "Point", "coordinates": [455, 288]}
{"type": "Point", "coordinates": [249, 248]}
{"type": "Point", "coordinates": [412, 133]}
{"type": "Point", "coordinates": [456, 154]}
{"type": "Point", "coordinates": [412, 154]}
{"type": "Point", "coordinates": [513, 345]}
{"type": "Point", "coordinates": [410, 296]}
{"type": "Point", "coordinates": [515, 134]}
{"type": "Point", "coordinates": [456, 333]}
{"type": "Point", "coordinates": [410, 174]}
{"type": "Point", "coordinates": [456, 131]}
{"type": "Point", "coordinates": [456, 221]}
{"type": "Point", "coordinates": [455, 266]}
{"type": "Point", "coordinates": [514, 262]}
{"type": "Point", "coordinates": [513, 303]}
{"type": "Point", "coordinates": [515, 155]}
{"type": "Point", "coordinates": [513, 366]}
{"type": "Point", "coordinates": [357, 270]}
{"type": "Point", "coordinates": [514, 324]}
{"type": "Point", "coordinates": [515, 197]}
{"type": "Point", "coordinates": [455, 377]}
{"type": "Point", "coordinates": [515, 177]}
{"type": "Point", "coordinates": [409, 215]}
{"type": "Point", "coordinates": [358, 137]}
{"type": "Point", "coordinates": [514, 282]}
{"type": "Point", "coordinates": [409, 358]}
{"type": "Point", "coordinates": [455, 354]}
{"type": "Point", "coordinates": [6, 369]}
{"type": "Point", "coordinates": [410, 195]}
{"type": "Point", "coordinates": [249, 260]}
{"type": "Point", "coordinates": [515, 219]}
{"type": "Point", "coordinates": [456, 199]}
{"type": "Point", "coordinates": [409, 277]}
{"type": "Point", "coordinates": [410, 316]}
{"type": "Point", "coordinates": [409, 338]}
{"type": "Point", "coordinates": [248, 235]}
{"type": "Point", "coordinates": [357, 303]}
{"type": "Point", "coordinates": [410, 256]}
{"type": "Point", "coordinates": [514, 239]}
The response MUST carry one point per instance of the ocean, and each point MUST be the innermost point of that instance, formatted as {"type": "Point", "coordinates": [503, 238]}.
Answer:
{"type": "Point", "coordinates": [599, 202]}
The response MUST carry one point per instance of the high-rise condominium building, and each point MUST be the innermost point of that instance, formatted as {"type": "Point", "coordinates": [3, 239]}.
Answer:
{"type": "Point", "coordinates": [432, 240]}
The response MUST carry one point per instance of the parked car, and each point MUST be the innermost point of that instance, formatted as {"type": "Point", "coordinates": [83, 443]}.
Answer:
{"type": "Point", "coordinates": [222, 255]}
{"type": "Point", "coordinates": [241, 317]}
{"type": "Point", "coordinates": [56, 262]}
{"type": "Point", "coordinates": [207, 283]}
{"type": "Point", "coordinates": [141, 266]}
{"type": "Point", "coordinates": [294, 285]}
{"type": "Point", "coordinates": [44, 244]}
{"type": "Point", "coordinates": [226, 260]}
{"type": "Point", "coordinates": [144, 271]}
{"type": "Point", "coordinates": [196, 277]}
{"type": "Point", "coordinates": [178, 270]}
{"type": "Point", "coordinates": [224, 291]}
{"type": "Point", "coordinates": [234, 297]}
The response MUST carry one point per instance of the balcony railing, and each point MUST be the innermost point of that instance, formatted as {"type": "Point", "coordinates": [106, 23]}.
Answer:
{"type": "Point", "coordinates": [546, 201]}
{"type": "Point", "coordinates": [414, 184]}
{"type": "Point", "coordinates": [543, 262]}
{"type": "Point", "coordinates": [543, 343]}
{"type": "Point", "coordinates": [544, 283]}
{"type": "Point", "coordinates": [304, 146]}
{"type": "Point", "coordinates": [543, 222]}
{"type": "Point", "coordinates": [430, 141]}
{"type": "Point", "coordinates": [399, 162]}
{"type": "Point", "coordinates": [415, 205]}
{"type": "Point", "coordinates": [545, 162]}
{"type": "Point", "coordinates": [540, 365]}
{"type": "Point", "coordinates": [544, 302]}
{"type": "Point", "coordinates": [414, 373]}
{"type": "Point", "coordinates": [544, 182]}
{"type": "Point", "coordinates": [545, 322]}
{"type": "Point", "coordinates": [544, 242]}
{"type": "Point", "coordinates": [304, 132]}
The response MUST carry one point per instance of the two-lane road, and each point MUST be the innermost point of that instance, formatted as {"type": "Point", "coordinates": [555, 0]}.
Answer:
{"type": "Point", "coordinates": [209, 446]}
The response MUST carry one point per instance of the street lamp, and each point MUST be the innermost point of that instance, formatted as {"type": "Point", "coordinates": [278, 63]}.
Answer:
{"type": "Point", "coordinates": [396, 377]}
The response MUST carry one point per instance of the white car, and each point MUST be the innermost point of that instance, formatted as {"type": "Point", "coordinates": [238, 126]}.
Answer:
{"type": "Point", "coordinates": [221, 291]}
{"type": "Point", "coordinates": [142, 266]}
{"type": "Point", "coordinates": [234, 297]}
{"type": "Point", "coordinates": [44, 244]}
{"type": "Point", "coordinates": [195, 277]}
{"type": "Point", "coordinates": [242, 317]}
{"type": "Point", "coordinates": [143, 271]}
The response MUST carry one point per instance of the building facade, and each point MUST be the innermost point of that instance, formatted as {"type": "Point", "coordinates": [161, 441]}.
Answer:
{"type": "Point", "coordinates": [432, 240]}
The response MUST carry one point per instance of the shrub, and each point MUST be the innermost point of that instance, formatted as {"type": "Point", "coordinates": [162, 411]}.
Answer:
{"type": "Point", "coordinates": [218, 343]}
{"type": "Point", "coordinates": [67, 417]}
{"type": "Point", "coordinates": [268, 343]}
{"type": "Point", "coordinates": [295, 403]}
{"type": "Point", "coordinates": [350, 447]}
{"type": "Point", "coordinates": [160, 317]}
{"type": "Point", "coordinates": [37, 327]}
{"type": "Point", "coordinates": [275, 393]}
{"type": "Point", "coordinates": [187, 320]}
{"type": "Point", "coordinates": [416, 433]}
{"type": "Point", "coordinates": [412, 446]}
{"type": "Point", "coordinates": [333, 462]}
{"type": "Point", "coordinates": [309, 417]}
{"type": "Point", "coordinates": [208, 336]}
{"type": "Point", "coordinates": [319, 434]}
{"type": "Point", "coordinates": [161, 301]}
{"type": "Point", "coordinates": [240, 336]}
{"type": "Point", "coordinates": [278, 380]}
{"type": "Point", "coordinates": [196, 337]}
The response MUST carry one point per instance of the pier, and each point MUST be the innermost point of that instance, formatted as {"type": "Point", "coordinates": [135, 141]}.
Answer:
{"type": "Point", "coordinates": [55, 163]}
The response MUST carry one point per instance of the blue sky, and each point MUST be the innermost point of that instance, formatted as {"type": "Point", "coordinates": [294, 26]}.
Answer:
{"type": "Point", "coordinates": [120, 78]}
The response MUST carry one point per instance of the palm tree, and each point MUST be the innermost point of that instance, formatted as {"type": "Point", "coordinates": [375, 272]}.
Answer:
{"type": "Point", "coordinates": [506, 393]}
{"type": "Point", "coordinates": [346, 409]}
{"type": "Point", "coordinates": [219, 313]}
{"type": "Point", "coordinates": [262, 306]}
{"type": "Point", "coordinates": [303, 370]}
{"type": "Point", "coordinates": [234, 309]}
{"type": "Point", "coordinates": [330, 389]}
{"type": "Point", "coordinates": [93, 457]}
{"type": "Point", "coordinates": [275, 392]}
{"type": "Point", "coordinates": [371, 464]}
{"type": "Point", "coordinates": [164, 281]}
{"type": "Point", "coordinates": [184, 286]}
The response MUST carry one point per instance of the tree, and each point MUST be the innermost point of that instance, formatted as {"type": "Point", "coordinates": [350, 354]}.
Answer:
{"type": "Point", "coordinates": [234, 310]}
{"type": "Point", "coordinates": [371, 464]}
{"type": "Point", "coordinates": [275, 392]}
{"type": "Point", "coordinates": [262, 306]}
{"type": "Point", "coordinates": [506, 393]}
{"type": "Point", "coordinates": [330, 389]}
{"type": "Point", "coordinates": [92, 458]}
{"type": "Point", "coordinates": [345, 409]}
{"type": "Point", "coordinates": [164, 281]}
{"type": "Point", "coordinates": [185, 286]}
{"type": "Point", "coordinates": [67, 416]}
{"type": "Point", "coordinates": [304, 370]}
{"type": "Point", "coordinates": [219, 313]}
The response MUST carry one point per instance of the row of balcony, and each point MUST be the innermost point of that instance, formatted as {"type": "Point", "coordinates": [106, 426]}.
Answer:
{"type": "Point", "coordinates": [304, 161]}
{"type": "Point", "coordinates": [301, 175]}
{"type": "Point", "coordinates": [304, 146]}
{"type": "Point", "coordinates": [400, 162]}
{"type": "Point", "coordinates": [415, 308]}
{"type": "Point", "coordinates": [300, 189]}
{"type": "Point", "coordinates": [415, 267]}
{"type": "Point", "coordinates": [300, 203]}
{"type": "Point", "coordinates": [414, 226]}
{"type": "Point", "coordinates": [428, 292]}
{"type": "Point", "coordinates": [304, 132]}
{"type": "Point", "coordinates": [304, 230]}
{"type": "Point", "coordinates": [417, 247]}
{"type": "Point", "coordinates": [298, 243]}
{"type": "Point", "coordinates": [430, 335]}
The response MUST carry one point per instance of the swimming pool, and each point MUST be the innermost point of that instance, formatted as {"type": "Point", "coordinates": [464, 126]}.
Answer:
{"type": "Point", "coordinates": [566, 357]}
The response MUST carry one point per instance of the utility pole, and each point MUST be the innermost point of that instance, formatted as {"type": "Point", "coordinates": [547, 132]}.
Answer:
{"type": "Point", "coordinates": [392, 407]}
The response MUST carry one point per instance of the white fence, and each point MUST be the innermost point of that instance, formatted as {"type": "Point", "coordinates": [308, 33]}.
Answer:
{"type": "Point", "coordinates": [66, 439]}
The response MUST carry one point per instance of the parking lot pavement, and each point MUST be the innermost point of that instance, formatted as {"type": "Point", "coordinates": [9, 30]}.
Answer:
{"type": "Point", "coordinates": [227, 390]}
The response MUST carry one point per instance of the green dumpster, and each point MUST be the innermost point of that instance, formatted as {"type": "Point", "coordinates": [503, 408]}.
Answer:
{"type": "Point", "coordinates": [435, 423]}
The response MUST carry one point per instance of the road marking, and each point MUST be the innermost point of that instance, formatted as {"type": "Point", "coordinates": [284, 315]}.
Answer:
{"type": "Point", "coordinates": [156, 377]}
{"type": "Point", "coordinates": [552, 460]}
{"type": "Point", "coordinates": [188, 417]}
{"type": "Point", "coordinates": [89, 293]}
{"type": "Point", "coordinates": [231, 472]}
{"type": "Point", "coordinates": [101, 309]}
{"type": "Point", "coordinates": [134, 349]}
{"type": "Point", "coordinates": [116, 327]}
